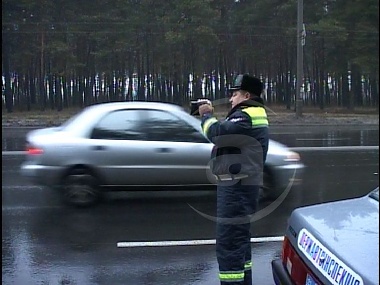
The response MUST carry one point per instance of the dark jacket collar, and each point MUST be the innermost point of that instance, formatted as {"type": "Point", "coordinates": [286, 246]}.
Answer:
{"type": "Point", "coordinates": [253, 102]}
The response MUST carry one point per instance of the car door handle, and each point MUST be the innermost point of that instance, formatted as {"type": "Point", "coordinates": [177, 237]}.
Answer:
{"type": "Point", "coordinates": [98, 147]}
{"type": "Point", "coordinates": [164, 150]}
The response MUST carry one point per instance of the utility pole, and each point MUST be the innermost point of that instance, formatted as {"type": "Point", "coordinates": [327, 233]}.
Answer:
{"type": "Point", "coordinates": [300, 43]}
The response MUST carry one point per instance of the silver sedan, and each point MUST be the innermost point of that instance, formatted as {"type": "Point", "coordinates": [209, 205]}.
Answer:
{"type": "Point", "coordinates": [136, 145]}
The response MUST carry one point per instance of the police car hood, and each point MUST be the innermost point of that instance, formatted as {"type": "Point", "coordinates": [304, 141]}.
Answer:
{"type": "Point", "coordinates": [348, 229]}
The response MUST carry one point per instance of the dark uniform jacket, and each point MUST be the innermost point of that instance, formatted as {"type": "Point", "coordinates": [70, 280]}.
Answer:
{"type": "Point", "coordinates": [241, 140]}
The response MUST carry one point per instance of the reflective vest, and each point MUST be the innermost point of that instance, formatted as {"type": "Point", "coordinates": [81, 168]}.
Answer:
{"type": "Point", "coordinates": [258, 116]}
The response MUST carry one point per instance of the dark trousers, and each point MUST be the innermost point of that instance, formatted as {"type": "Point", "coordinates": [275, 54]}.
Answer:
{"type": "Point", "coordinates": [236, 201]}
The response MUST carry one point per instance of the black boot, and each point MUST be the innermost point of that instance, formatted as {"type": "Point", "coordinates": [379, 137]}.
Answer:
{"type": "Point", "coordinates": [248, 277]}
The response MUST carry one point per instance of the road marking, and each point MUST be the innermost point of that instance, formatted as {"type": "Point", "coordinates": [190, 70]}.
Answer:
{"type": "Point", "coordinates": [25, 208]}
{"type": "Point", "coordinates": [322, 139]}
{"type": "Point", "coordinates": [13, 152]}
{"type": "Point", "coordinates": [188, 242]}
{"type": "Point", "coordinates": [22, 187]}
{"type": "Point", "coordinates": [334, 148]}
{"type": "Point", "coordinates": [22, 127]}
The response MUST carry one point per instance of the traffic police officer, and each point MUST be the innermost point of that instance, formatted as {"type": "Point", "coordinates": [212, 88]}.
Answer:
{"type": "Point", "coordinates": [241, 145]}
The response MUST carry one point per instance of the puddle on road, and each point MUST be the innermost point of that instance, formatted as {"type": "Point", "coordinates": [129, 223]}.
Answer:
{"type": "Point", "coordinates": [329, 138]}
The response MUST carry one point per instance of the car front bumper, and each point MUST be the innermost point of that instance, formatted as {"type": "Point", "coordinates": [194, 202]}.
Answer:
{"type": "Point", "coordinates": [41, 174]}
{"type": "Point", "coordinates": [280, 275]}
{"type": "Point", "coordinates": [287, 176]}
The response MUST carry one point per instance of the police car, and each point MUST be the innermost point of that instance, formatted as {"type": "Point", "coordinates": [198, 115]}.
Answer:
{"type": "Point", "coordinates": [332, 243]}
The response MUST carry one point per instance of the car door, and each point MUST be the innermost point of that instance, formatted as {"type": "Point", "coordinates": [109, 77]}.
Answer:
{"type": "Point", "coordinates": [117, 148]}
{"type": "Point", "coordinates": [179, 154]}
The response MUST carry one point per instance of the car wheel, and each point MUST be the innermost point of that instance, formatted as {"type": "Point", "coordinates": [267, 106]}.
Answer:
{"type": "Point", "coordinates": [267, 188]}
{"type": "Point", "coordinates": [80, 188]}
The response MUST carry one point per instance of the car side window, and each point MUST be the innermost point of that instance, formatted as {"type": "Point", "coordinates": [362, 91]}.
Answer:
{"type": "Point", "coordinates": [119, 125]}
{"type": "Point", "coordinates": [164, 126]}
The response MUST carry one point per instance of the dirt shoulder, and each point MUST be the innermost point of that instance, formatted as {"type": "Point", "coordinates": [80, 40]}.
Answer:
{"type": "Point", "coordinates": [277, 116]}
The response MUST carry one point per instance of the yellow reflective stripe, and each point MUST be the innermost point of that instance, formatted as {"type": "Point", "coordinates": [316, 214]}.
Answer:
{"type": "Point", "coordinates": [260, 122]}
{"type": "Point", "coordinates": [208, 123]}
{"type": "Point", "coordinates": [231, 276]}
{"type": "Point", "coordinates": [258, 116]}
{"type": "Point", "coordinates": [248, 265]}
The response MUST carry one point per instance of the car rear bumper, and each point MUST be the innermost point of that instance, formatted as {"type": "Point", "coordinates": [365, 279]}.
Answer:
{"type": "Point", "coordinates": [41, 174]}
{"type": "Point", "coordinates": [280, 275]}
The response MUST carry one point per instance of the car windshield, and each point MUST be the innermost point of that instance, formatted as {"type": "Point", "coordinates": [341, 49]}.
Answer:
{"type": "Point", "coordinates": [375, 194]}
{"type": "Point", "coordinates": [195, 121]}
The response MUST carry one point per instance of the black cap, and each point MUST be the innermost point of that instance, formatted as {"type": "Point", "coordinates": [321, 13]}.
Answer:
{"type": "Point", "coordinates": [248, 83]}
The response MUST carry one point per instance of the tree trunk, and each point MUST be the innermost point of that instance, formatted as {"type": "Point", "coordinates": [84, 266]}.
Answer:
{"type": "Point", "coordinates": [65, 92]}
{"type": "Point", "coordinates": [58, 93]}
{"type": "Point", "coordinates": [51, 91]}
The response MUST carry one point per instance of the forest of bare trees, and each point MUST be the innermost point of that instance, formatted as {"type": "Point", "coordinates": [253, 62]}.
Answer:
{"type": "Point", "coordinates": [59, 54]}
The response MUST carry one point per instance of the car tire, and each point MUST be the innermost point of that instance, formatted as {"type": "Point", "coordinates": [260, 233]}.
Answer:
{"type": "Point", "coordinates": [81, 188]}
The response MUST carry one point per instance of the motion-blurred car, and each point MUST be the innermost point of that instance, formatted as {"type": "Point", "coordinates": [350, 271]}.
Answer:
{"type": "Point", "coordinates": [332, 243]}
{"type": "Point", "coordinates": [136, 145]}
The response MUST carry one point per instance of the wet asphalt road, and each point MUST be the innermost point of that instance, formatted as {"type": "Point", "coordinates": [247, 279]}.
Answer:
{"type": "Point", "coordinates": [44, 242]}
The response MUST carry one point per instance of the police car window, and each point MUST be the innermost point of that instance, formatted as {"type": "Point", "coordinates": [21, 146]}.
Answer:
{"type": "Point", "coordinates": [164, 126]}
{"type": "Point", "coordinates": [119, 125]}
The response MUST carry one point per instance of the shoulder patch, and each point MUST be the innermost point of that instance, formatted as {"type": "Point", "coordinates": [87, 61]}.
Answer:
{"type": "Point", "coordinates": [234, 120]}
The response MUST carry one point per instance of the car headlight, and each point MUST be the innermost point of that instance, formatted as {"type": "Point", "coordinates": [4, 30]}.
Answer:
{"type": "Point", "coordinates": [292, 156]}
